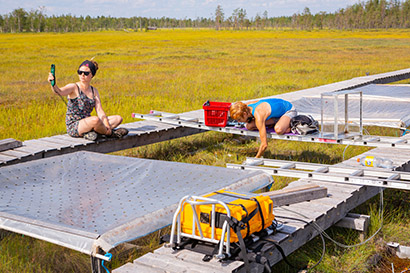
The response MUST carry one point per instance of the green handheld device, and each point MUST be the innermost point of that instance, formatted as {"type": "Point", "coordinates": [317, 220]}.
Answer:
{"type": "Point", "coordinates": [53, 71]}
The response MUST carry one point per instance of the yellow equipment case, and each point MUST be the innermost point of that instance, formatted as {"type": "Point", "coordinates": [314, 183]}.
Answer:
{"type": "Point", "coordinates": [254, 211]}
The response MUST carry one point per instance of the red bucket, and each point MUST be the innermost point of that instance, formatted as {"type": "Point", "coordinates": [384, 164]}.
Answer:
{"type": "Point", "coordinates": [216, 113]}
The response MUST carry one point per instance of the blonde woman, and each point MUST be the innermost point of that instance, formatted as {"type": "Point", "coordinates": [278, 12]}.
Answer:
{"type": "Point", "coordinates": [261, 113]}
{"type": "Point", "coordinates": [82, 99]}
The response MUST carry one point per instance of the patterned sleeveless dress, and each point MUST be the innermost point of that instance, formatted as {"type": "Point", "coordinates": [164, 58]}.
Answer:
{"type": "Point", "coordinates": [78, 109]}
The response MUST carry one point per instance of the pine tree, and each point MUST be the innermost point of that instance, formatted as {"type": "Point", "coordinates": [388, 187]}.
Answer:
{"type": "Point", "coordinates": [219, 17]}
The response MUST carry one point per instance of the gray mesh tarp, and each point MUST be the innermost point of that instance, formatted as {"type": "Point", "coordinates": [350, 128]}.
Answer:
{"type": "Point", "coordinates": [86, 200]}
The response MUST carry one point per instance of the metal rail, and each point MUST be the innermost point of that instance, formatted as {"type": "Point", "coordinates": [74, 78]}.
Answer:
{"type": "Point", "coordinates": [330, 173]}
{"type": "Point", "coordinates": [343, 138]}
{"type": "Point", "coordinates": [195, 201]}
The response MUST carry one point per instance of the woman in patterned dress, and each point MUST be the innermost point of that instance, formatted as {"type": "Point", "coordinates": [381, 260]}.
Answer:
{"type": "Point", "coordinates": [82, 99]}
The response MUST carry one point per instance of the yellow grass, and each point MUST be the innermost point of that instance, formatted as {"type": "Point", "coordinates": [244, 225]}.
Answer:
{"type": "Point", "coordinates": [177, 70]}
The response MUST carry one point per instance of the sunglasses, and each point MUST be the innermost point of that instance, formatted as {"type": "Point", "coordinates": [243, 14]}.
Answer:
{"type": "Point", "coordinates": [86, 73]}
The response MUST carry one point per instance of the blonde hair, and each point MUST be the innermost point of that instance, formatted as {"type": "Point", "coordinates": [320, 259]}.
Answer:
{"type": "Point", "coordinates": [238, 109]}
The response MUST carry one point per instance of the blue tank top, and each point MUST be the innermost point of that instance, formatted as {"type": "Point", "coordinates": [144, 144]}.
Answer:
{"type": "Point", "coordinates": [278, 107]}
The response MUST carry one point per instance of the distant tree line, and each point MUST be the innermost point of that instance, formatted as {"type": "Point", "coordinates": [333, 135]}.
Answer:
{"type": "Point", "coordinates": [363, 15]}
{"type": "Point", "coordinates": [20, 20]}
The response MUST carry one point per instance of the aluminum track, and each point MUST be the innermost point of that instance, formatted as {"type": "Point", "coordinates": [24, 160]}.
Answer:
{"type": "Point", "coordinates": [345, 139]}
{"type": "Point", "coordinates": [323, 172]}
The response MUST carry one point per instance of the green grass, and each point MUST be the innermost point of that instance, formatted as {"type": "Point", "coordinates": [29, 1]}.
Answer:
{"type": "Point", "coordinates": [176, 71]}
{"type": "Point", "coordinates": [20, 253]}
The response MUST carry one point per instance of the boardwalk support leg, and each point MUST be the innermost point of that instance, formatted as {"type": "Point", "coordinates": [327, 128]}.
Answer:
{"type": "Point", "coordinates": [355, 221]}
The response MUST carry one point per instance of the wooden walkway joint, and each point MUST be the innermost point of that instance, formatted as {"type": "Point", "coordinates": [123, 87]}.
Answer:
{"type": "Point", "coordinates": [9, 143]}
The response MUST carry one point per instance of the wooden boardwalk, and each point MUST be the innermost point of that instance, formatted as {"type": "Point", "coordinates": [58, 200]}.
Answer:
{"type": "Point", "coordinates": [140, 133]}
{"type": "Point", "coordinates": [323, 213]}
{"type": "Point", "coordinates": [148, 132]}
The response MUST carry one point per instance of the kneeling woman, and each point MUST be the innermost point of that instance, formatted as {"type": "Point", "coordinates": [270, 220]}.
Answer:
{"type": "Point", "coordinates": [262, 113]}
{"type": "Point", "coordinates": [82, 99]}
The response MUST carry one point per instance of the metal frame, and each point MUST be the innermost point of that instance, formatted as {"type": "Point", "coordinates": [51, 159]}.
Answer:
{"type": "Point", "coordinates": [335, 96]}
{"type": "Point", "coordinates": [195, 201]}
{"type": "Point", "coordinates": [345, 139]}
{"type": "Point", "coordinates": [329, 173]}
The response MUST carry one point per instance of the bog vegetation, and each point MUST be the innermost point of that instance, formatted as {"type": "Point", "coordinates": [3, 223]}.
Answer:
{"type": "Point", "coordinates": [368, 14]}
{"type": "Point", "coordinates": [177, 71]}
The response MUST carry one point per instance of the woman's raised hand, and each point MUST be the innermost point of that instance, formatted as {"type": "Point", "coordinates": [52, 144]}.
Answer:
{"type": "Point", "coordinates": [50, 77]}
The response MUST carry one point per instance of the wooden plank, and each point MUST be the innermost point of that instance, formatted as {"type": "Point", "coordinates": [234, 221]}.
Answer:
{"type": "Point", "coordinates": [341, 205]}
{"type": "Point", "coordinates": [40, 151]}
{"type": "Point", "coordinates": [31, 155]}
{"type": "Point", "coordinates": [149, 126]}
{"type": "Point", "coordinates": [403, 252]}
{"type": "Point", "coordinates": [290, 189]}
{"type": "Point", "coordinates": [77, 141]}
{"type": "Point", "coordinates": [287, 229]}
{"type": "Point", "coordinates": [6, 158]}
{"type": "Point", "coordinates": [51, 146]}
{"type": "Point", "coordinates": [16, 153]}
{"type": "Point", "coordinates": [325, 212]}
{"type": "Point", "coordinates": [63, 143]}
{"type": "Point", "coordinates": [279, 236]}
{"type": "Point", "coordinates": [355, 221]}
{"type": "Point", "coordinates": [330, 201]}
{"type": "Point", "coordinates": [182, 261]}
{"type": "Point", "coordinates": [30, 149]}
{"type": "Point", "coordinates": [137, 268]}
{"type": "Point", "coordinates": [41, 145]}
{"type": "Point", "coordinates": [139, 126]}
{"type": "Point", "coordinates": [295, 195]}
{"type": "Point", "coordinates": [308, 206]}
{"type": "Point", "coordinates": [145, 139]}
{"type": "Point", "coordinates": [337, 193]}
{"type": "Point", "coordinates": [299, 211]}
{"type": "Point", "coordinates": [291, 224]}
{"type": "Point", "coordinates": [196, 258]}
{"type": "Point", "coordinates": [9, 143]}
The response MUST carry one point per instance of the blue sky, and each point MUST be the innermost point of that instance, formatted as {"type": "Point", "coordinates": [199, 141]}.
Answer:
{"type": "Point", "coordinates": [172, 8]}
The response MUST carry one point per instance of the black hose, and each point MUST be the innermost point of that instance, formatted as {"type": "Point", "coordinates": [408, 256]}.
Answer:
{"type": "Point", "coordinates": [321, 236]}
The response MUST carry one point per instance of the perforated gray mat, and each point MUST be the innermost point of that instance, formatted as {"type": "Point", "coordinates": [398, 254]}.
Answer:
{"type": "Point", "coordinates": [84, 200]}
{"type": "Point", "coordinates": [383, 105]}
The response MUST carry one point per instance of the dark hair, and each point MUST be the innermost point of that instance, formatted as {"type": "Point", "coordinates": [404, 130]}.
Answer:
{"type": "Point", "coordinates": [90, 64]}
